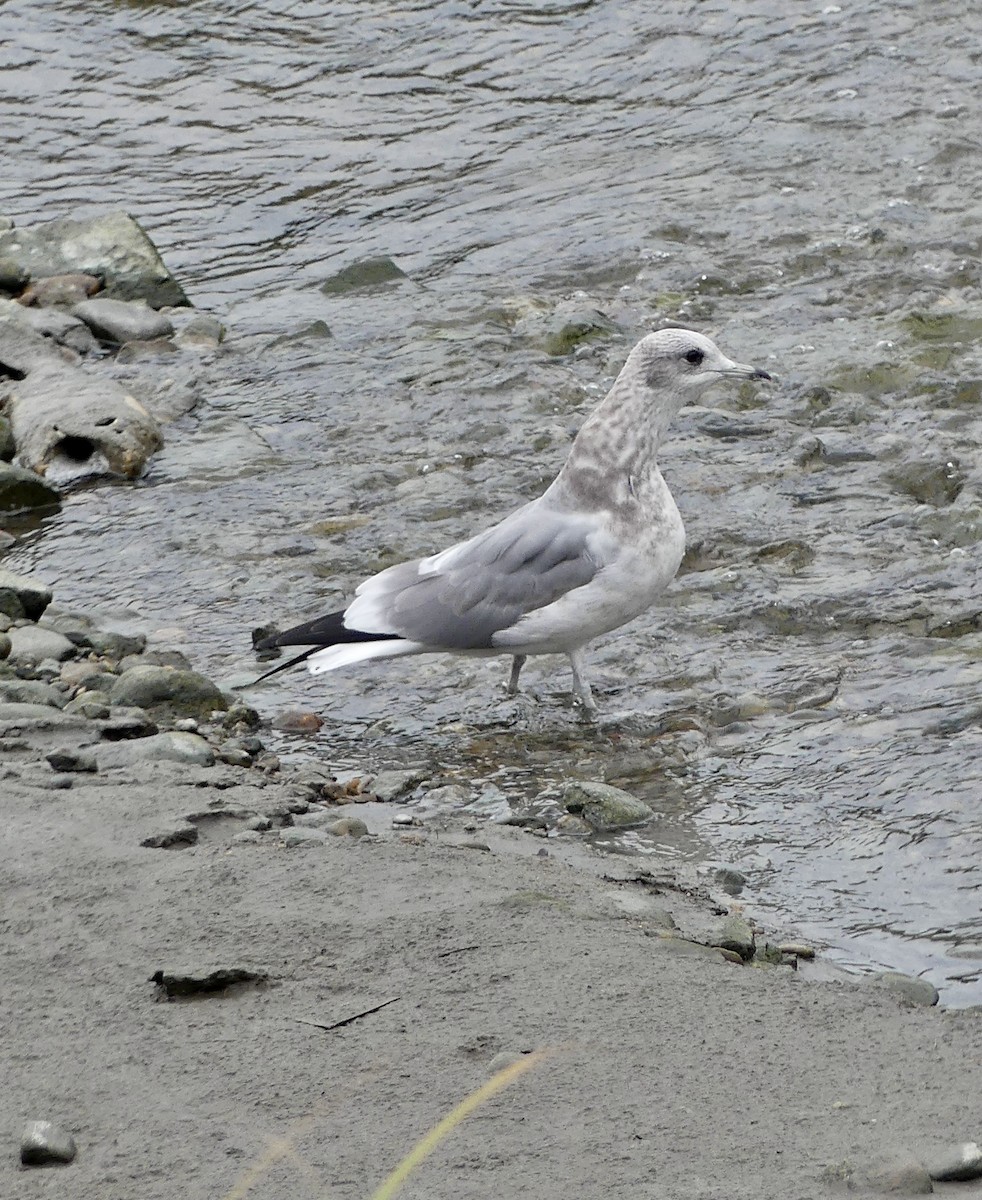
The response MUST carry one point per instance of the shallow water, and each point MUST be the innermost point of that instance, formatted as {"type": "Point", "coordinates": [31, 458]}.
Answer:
{"type": "Point", "coordinates": [804, 186]}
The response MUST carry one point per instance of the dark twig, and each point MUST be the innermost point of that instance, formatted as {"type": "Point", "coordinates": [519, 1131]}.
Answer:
{"type": "Point", "coordinates": [365, 1012]}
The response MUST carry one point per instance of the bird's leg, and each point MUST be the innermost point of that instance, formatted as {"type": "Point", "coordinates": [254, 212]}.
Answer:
{"type": "Point", "coordinates": [516, 669]}
{"type": "Point", "coordinates": [581, 688]}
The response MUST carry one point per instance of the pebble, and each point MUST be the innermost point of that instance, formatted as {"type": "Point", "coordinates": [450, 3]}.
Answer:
{"type": "Point", "coordinates": [604, 807]}
{"type": "Point", "coordinates": [116, 645]}
{"type": "Point", "coordinates": [259, 824]}
{"type": "Point", "coordinates": [298, 836]}
{"type": "Point", "coordinates": [44, 1143]}
{"type": "Point", "coordinates": [60, 289]}
{"type": "Point", "coordinates": [730, 880]}
{"type": "Point", "coordinates": [127, 723]}
{"type": "Point", "coordinates": [248, 837]}
{"type": "Point", "coordinates": [72, 760]}
{"type": "Point", "coordinates": [955, 1163]}
{"type": "Point", "coordinates": [234, 756]}
{"type": "Point", "coordinates": [122, 321]}
{"type": "Point", "coordinates": [203, 332]}
{"type": "Point", "coordinates": [90, 705]}
{"type": "Point", "coordinates": [403, 818]}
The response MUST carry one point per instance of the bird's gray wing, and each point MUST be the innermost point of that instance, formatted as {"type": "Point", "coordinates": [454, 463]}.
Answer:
{"type": "Point", "coordinates": [460, 598]}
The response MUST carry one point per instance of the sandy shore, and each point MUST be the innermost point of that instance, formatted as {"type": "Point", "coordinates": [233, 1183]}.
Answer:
{"type": "Point", "coordinates": [675, 1073]}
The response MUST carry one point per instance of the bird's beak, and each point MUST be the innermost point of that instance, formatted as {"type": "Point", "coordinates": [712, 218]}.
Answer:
{"type": "Point", "coordinates": [735, 370]}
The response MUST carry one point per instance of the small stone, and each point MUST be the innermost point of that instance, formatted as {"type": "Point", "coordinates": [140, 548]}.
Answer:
{"type": "Point", "coordinates": [61, 783]}
{"type": "Point", "coordinates": [202, 981]}
{"type": "Point", "coordinates": [472, 845]}
{"type": "Point", "coordinates": [180, 835]}
{"type": "Point", "coordinates": [604, 807]}
{"type": "Point", "coordinates": [259, 824]}
{"type": "Point", "coordinates": [72, 760]}
{"type": "Point", "coordinates": [127, 723]}
{"type": "Point", "coordinates": [116, 645]}
{"type": "Point", "coordinates": [121, 321]}
{"type": "Point", "coordinates": [186, 725]}
{"type": "Point", "coordinates": [248, 837]}
{"type": "Point", "coordinates": [298, 721]}
{"type": "Point", "coordinates": [202, 332]}
{"type": "Point", "coordinates": [909, 989]}
{"type": "Point", "coordinates": [736, 936]}
{"type": "Point", "coordinates": [240, 717]}
{"type": "Point", "coordinates": [268, 763]}
{"type": "Point", "coordinates": [43, 1143]}
{"type": "Point", "coordinates": [31, 643]}
{"type": "Point", "coordinates": [402, 819]}
{"type": "Point", "coordinates": [77, 672]}
{"type": "Point", "coordinates": [234, 756]}
{"type": "Point", "coordinates": [300, 836]}
{"type": "Point", "coordinates": [59, 289]}
{"type": "Point", "coordinates": [796, 950]}
{"type": "Point", "coordinates": [955, 1163]}
{"type": "Point", "coordinates": [348, 826]}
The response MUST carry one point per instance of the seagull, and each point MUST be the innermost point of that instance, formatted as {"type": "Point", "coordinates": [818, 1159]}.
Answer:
{"type": "Point", "coordinates": [593, 552]}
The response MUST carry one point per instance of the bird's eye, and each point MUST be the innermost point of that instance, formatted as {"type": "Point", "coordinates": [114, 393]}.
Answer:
{"type": "Point", "coordinates": [694, 356]}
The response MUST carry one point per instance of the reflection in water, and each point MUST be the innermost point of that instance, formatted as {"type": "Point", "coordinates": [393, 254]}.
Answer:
{"type": "Point", "coordinates": [801, 182]}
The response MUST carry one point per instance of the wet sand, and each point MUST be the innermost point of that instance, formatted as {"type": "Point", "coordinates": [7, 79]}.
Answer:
{"type": "Point", "coordinates": [674, 1072]}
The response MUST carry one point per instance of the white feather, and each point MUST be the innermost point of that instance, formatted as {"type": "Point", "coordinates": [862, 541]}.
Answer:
{"type": "Point", "coordinates": [351, 652]}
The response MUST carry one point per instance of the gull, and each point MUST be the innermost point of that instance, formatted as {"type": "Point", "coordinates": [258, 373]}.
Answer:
{"type": "Point", "coordinates": [593, 552]}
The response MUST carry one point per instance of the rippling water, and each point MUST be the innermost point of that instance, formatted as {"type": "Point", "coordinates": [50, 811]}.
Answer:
{"type": "Point", "coordinates": [801, 181]}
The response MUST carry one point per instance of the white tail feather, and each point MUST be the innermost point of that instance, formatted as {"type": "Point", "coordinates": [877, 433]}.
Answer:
{"type": "Point", "coordinates": [332, 657]}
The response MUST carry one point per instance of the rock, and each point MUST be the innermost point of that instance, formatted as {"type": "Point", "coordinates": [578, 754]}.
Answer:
{"type": "Point", "coordinates": [348, 827]}
{"type": "Point", "coordinates": [112, 247]}
{"type": "Point", "coordinates": [162, 691]}
{"type": "Point", "coordinates": [297, 721]}
{"type": "Point", "coordinates": [24, 593]}
{"type": "Point", "coordinates": [389, 785]}
{"type": "Point", "coordinates": [16, 715]}
{"type": "Point", "coordinates": [13, 277]}
{"type": "Point", "coordinates": [68, 423]}
{"type": "Point", "coordinates": [30, 691]}
{"type": "Point", "coordinates": [180, 835]}
{"type": "Point", "coordinates": [78, 673]}
{"type": "Point", "coordinates": [116, 645]}
{"type": "Point", "coordinates": [956, 1163]}
{"type": "Point", "coordinates": [233, 756]}
{"type": "Point", "coordinates": [259, 824]}
{"type": "Point", "coordinates": [735, 935]}
{"type": "Point", "coordinates": [796, 950]}
{"type": "Point", "coordinates": [72, 760]}
{"type": "Point", "coordinates": [61, 327]}
{"type": "Point", "coordinates": [300, 836]}
{"type": "Point", "coordinates": [936, 483]}
{"type": "Point", "coordinates": [43, 1143]}
{"type": "Point", "coordinates": [204, 981]}
{"type": "Point", "coordinates": [202, 332]}
{"type": "Point", "coordinates": [94, 706]}
{"type": "Point", "coordinates": [32, 643]}
{"type": "Point", "coordinates": [124, 724]}
{"type": "Point", "coordinates": [4, 646]}
{"type": "Point", "coordinates": [186, 748]}
{"type": "Point", "coordinates": [604, 807]}
{"type": "Point", "coordinates": [368, 273]}
{"type": "Point", "coordinates": [248, 837]}
{"type": "Point", "coordinates": [576, 328]}
{"type": "Point", "coordinates": [730, 880]}
{"type": "Point", "coordinates": [121, 321]}
{"type": "Point", "coordinates": [22, 491]}
{"type": "Point", "coordinates": [907, 988]}
{"type": "Point", "coordinates": [59, 289]}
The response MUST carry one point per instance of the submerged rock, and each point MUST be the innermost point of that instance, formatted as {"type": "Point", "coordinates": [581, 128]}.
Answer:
{"type": "Point", "coordinates": [22, 491]}
{"type": "Point", "coordinates": [604, 807]}
{"type": "Point", "coordinates": [112, 247]}
{"type": "Point", "coordinates": [369, 272]}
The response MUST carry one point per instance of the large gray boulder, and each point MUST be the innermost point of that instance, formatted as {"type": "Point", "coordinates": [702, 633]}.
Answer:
{"type": "Point", "coordinates": [113, 247]}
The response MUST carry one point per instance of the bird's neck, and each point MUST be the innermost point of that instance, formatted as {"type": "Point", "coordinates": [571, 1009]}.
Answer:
{"type": "Point", "coordinates": [619, 442]}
